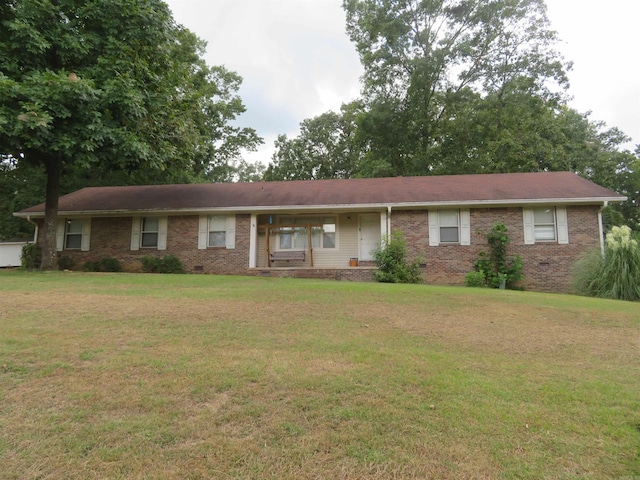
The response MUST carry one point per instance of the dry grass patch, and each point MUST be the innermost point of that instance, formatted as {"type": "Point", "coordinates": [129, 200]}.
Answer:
{"type": "Point", "coordinates": [140, 376]}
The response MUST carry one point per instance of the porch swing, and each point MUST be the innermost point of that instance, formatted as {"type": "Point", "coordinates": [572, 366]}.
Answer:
{"type": "Point", "coordinates": [288, 255]}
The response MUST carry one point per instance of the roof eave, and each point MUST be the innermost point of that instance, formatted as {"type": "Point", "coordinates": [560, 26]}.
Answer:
{"type": "Point", "coordinates": [335, 207]}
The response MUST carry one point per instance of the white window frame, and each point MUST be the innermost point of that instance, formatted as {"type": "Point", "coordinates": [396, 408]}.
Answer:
{"type": "Point", "coordinates": [464, 227]}
{"type": "Point", "coordinates": [62, 233]}
{"type": "Point", "coordinates": [137, 233]}
{"type": "Point", "coordinates": [560, 225]}
{"type": "Point", "coordinates": [146, 231]}
{"type": "Point", "coordinates": [302, 231]}
{"type": "Point", "coordinates": [204, 229]}
{"type": "Point", "coordinates": [217, 224]}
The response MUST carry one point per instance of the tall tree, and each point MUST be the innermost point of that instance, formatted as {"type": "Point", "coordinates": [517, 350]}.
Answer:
{"type": "Point", "coordinates": [326, 147]}
{"type": "Point", "coordinates": [21, 186]}
{"type": "Point", "coordinates": [110, 85]}
{"type": "Point", "coordinates": [424, 59]}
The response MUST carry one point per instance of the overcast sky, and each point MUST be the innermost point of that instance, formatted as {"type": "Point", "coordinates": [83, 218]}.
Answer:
{"type": "Point", "coordinates": [297, 62]}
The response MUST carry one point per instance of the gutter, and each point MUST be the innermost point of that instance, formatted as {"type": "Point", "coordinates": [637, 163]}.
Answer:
{"type": "Point", "coordinates": [35, 233]}
{"type": "Point", "coordinates": [334, 207]}
{"type": "Point", "coordinates": [605, 204]}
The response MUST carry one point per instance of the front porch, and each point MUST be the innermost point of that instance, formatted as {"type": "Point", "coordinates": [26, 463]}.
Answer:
{"type": "Point", "coordinates": [316, 245]}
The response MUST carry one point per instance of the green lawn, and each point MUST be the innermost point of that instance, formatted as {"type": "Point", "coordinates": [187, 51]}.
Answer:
{"type": "Point", "coordinates": [198, 376]}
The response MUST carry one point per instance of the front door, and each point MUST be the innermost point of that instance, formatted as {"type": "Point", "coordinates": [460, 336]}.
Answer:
{"type": "Point", "coordinates": [370, 233]}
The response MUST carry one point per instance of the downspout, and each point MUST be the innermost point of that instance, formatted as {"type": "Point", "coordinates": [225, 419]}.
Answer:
{"type": "Point", "coordinates": [389, 221]}
{"type": "Point", "coordinates": [35, 233]}
{"type": "Point", "coordinates": [253, 241]}
{"type": "Point", "coordinates": [601, 227]}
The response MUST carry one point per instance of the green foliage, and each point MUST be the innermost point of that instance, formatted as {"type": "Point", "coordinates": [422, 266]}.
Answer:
{"type": "Point", "coordinates": [65, 263]}
{"type": "Point", "coordinates": [467, 83]}
{"type": "Point", "coordinates": [475, 279]}
{"type": "Point", "coordinates": [454, 87]}
{"type": "Point", "coordinates": [391, 259]}
{"type": "Point", "coordinates": [626, 181]}
{"type": "Point", "coordinates": [325, 148]}
{"type": "Point", "coordinates": [113, 85]}
{"type": "Point", "coordinates": [107, 264]}
{"type": "Point", "coordinates": [21, 186]}
{"type": "Point", "coordinates": [166, 264]}
{"type": "Point", "coordinates": [30, 256]}
{"type": "Point", "coordinates": [617, 274]}
{"type": "Point", "coordinates": [496, 266]}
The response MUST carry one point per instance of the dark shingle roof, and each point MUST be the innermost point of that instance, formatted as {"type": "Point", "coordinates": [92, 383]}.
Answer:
{"type": "Point", "coordinates": [516, 188]}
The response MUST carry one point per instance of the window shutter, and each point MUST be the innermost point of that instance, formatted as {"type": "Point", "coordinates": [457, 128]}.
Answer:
{"type": "Point", "coordinates": [231, 232]}
{"type": "Point", "coordinates": [86, 235]}
{"type": "Point", "coordinates": [135, 233]}
{"type": "Point", "coordinates": [465, 227]}
{"type": "Point", "coordinates": [203, 232]}
{"type": "Point", "coordinates": [529, 231]}
{"type": "Point", "coordinates": [60, 235]}
{"type": "Point", "coordinates": [562, 225]}
{"type": "Point", "coordinates": [434, 229]}
{"type": "Point", "coordinates": [162, 233]}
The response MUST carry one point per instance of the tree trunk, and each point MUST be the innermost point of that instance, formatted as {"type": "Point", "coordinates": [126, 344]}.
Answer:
{"type": "Point", "coordinates": [49, 252]}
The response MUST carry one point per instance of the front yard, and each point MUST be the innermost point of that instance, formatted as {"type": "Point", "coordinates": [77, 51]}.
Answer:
{"type": "Point", "coordinates": [197, 376]}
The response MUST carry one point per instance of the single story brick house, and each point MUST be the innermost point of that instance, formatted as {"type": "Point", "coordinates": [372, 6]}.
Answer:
{"type": "Point", "coordinates": [318, 228]}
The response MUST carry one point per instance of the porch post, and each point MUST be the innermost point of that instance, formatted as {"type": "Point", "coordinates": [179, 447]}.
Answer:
{"type": "Point", "coordinates": [253, 241]}
{"type": "Point", "coordinates": [310, 244]}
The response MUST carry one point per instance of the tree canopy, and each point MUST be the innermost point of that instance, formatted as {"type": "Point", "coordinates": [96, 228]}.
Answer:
{"type": "Point", "coordinates": [112, 87]}
{"type": "Point", "coordinates": [441, 68]}
{"type": "Point", "coordinates": [325, 148]}
{"type": "Point", "coordinates": [453, 87]}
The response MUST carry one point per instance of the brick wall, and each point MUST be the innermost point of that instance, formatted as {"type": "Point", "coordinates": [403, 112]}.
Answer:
{"type": "Point", "coordinates": [547, 266]}
{"type": "Point", "coordinates": [111, 237]}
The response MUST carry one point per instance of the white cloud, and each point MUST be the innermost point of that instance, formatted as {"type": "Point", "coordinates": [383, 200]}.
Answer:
{"type": "Point", "coordinates": [601, 39]}
{"type": "Point", "coordinates": [297, 61]}
{"type": "Point", "coordinates": [294, 56]}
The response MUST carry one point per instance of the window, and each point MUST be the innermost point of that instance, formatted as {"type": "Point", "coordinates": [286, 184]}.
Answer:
{"type": "Point", "coordinates": [545, 225]}
{"type": "Point", "coordinates": [217, 231]}
{"type": "Point", "coordinates": [449, 227]}
{"type": "Point", "coordinates": [328, 232]}
{"type": "Point", "coordinates": [449, 221]}
{"type": "Point", "coordinates": [149, 232]}
{"type": "Point", "coordinates": [73, 234]}
{"type": "Point", "coordinates": [294, 234]}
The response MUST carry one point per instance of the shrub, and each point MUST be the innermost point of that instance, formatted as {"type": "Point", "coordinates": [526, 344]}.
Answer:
{"type": "Point", "coordinates": [90, 267]}
{"type": "Point", "coordinates": [65, 263]}
{"type": "Point", "coordinates": [391, 259]}
{"type": "Point", "coordinates": [617, 274]}
{"type": "Point", "coordinates": [475, 279]}
{"type": "Point", "coordinates": [167, 264]}
{"type": "Point", "coordinates": [150, 264]}
{"type": "Point", "coordinates": [107, 264]}
{"type": "Point", "coordinates": [495, 266]}
{"type": "Point", "coordinates": [30, 256]}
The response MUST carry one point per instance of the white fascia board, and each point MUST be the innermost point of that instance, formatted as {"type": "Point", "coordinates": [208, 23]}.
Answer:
{"type": "Point", "coordinates": [337, 207]}
{"type": "Point", "coordinates": [197, 211]}
{"type": "Point", "coordinates": [513, 203]}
